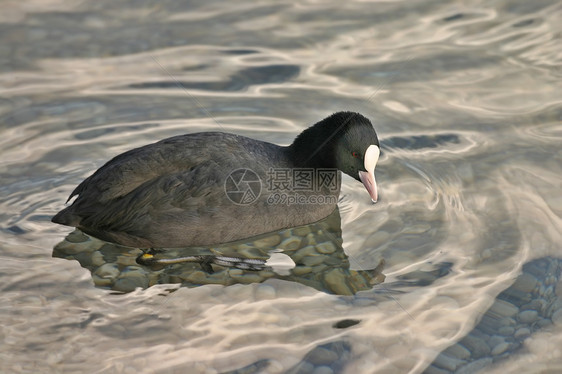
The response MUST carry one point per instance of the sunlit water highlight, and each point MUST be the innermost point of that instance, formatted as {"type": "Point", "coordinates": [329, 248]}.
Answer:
{"type": "Point", "coordinates": [466, 101]}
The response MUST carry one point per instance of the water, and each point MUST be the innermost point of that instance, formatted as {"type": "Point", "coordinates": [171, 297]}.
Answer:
{"type": "Point", "coordinates": [465, 98]}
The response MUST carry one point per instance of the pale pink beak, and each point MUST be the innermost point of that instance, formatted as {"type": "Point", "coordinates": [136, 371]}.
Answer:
{"type": "Point", "coordinates": [370, 184]}
{"type": "Point", "coordinates": [368, 176]}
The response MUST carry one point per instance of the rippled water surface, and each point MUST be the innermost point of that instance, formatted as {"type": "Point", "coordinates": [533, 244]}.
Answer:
{"type": "Point", "coordinates": [466, 99]}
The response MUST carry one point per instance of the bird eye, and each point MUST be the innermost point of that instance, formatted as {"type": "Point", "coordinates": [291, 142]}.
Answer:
{"type": "Point", "coordinates": [355, 154]}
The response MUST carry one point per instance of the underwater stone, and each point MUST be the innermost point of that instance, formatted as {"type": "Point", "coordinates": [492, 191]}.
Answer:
{"type": "Point", "coordinates": [301, 270]}
{"type": "Point", "coordinates": [542, 322]}
{"type": "Point", "coordinates": [266, 274]}
{"type": "Point", "coordinates": [310, 239]}
{"type": "Point", "coordinates": [525, 282]}
{"type": "Point", "coordinates": [301, 231]}
{"type": "Point", "coordinates": [435, 370]}
{"type": "Point", "coordinates": [447, 362]}
{"type": "Point", "coordinates": [318, 269]}
{"type": "Point", "coordinates": [323, 370]}
{"type": "Point", "coordinates": [536, 304]}
{"type": "Point", "coordinates": [268, 241]}
{"type": "Point", "coordinates": [528, 316]}
{"type": "Point", "coordinates": [458, 351]}
{"type": "Point", "coordinates": [291, 243]}
{"type": "Point", "coordinates": [345, 323]}
{"type": "Point", "coordinates": [475, 366]}
{"type": "Point", "coordinates": [107, 271]}
{"type": "Point", "coordinates": [249, 251]}
{"type": "Point", "coordinates": [326, 247]}
{"type": "Point", "coordinates": [126, 285]}
{"type": "Point", "coordinates": [558, 286]}
{"type": "Point", "coordinates": [156, 277]}
{"type": "Point", "coordinates": [303, 367]}
{"type": "Point", "coordinates": [335, 279]}
{"type": "Point", "coordinates": [517, 297]}
{"type": "Point", "coordinates": [522, 333]}
{"type": "Point", "coordinates": [477, 346]}
{"type": "Point", "coordinates": [197, 276]}
{"type": "Point", "coordinates": [313, 260]}
{"type": "Point", "coordinates": [416, 229]}
{"type": "Point", "coordinates": [248, 278]}
{"type": "Point", "coordinates": [97, 259]}
{"type": "Point", "coordinates": [496, 340]}
{"type": "Point", "coordinates": [321, 356]}
{"type": "Point", "coordinates": [128, 260]}
{"type": "Point", "coordinates": [500, 348]}
{"type": "Point", "coordinates": [503, 308]}
{"type": "Point", "coordinates": [102, 282]}
{"type": "Point", "coordinates": [70, 248]}
{"type": "Point", "coordinates": [506, 321]}
{"type": "Point", "coordinates": [77, 237]}
{"type": "Point", "coordinates": [138, 274]}
{"type": "Point", "coordinates": [557, 317]}
{"type": "Point", "coordinates": [304, 252]}
{"type": "Point", "coordinates": [506, 330]}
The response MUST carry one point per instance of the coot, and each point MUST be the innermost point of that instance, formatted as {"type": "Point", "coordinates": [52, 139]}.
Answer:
{"type": "Point", "coordinates": [212, 187]}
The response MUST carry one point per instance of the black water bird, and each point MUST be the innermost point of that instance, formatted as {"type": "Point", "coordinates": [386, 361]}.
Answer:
{"type": "Point", "coordinates": [212, 187]}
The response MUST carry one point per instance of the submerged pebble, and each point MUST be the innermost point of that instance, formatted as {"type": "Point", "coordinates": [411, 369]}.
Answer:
{"type": "Point", "coordinates": [500, 348]}
{"type": "Point", "coordinates": [77, 236]}
{"type": "Point", "coordinates": [323, 370]}
{"type": "Point", "coordinates": [313, 260]}
{"type": "Point", "coordinates": [303, 253]}
{"type": "Point", "coordinates": [101, 282]}
{"type": "Point", "coordinates": [97, 259]}
{"type": "Point", "coordinates": [321, 356]}
{"type": "Point", "coordinates": [458, 351]}
{"type": "Point", "coordinates": [310, 239]}
{"type": "Point", "coordinates": [290, 244]}
{"type": "Point", "coordinates": [476, 345]}
{"type": "Point", "coordinates": [335, 280]}
{"type": "Point", "coordinates": [447, 362]}
{"type": "Point", "coordinates": [198, 276]}
{"type": "Point", "coordinates": [269, 241]}
{"type": "Point", "coordinates": [345, 323]}
{"type": "Point", "coordinates": [522, 333]}
{"type": "Point", "coordinates": [129, 284]}
{"type": "Point", "coordinates": [495, 340]}
{"type": "Point", "coordinates": [73, 248]}
{"type": "Point", "coordinates": [528, 316]}
{"type": "Point", "coordinates": [107, 271]}
{"type": "Point", "coordinates": [475, 366]}
{"type": "Point", "coordinates": [326, 247]}
{"type": "Point", "coordinates": [301, 270]}
{"type": "Point", "coordinates": [302, 231]}
{"type": "Point", "coordinates": [525, 282]}
{"type": "Point", "coordinates": [557, 317]}
{"type": "Point", "coordinates": [503, 308]}
{"type": "Point", "coordinates": [247, 278]}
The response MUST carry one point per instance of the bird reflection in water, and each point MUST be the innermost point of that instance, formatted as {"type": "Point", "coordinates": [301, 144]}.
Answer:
{"type": "Point", "coordinates": [311, 255]}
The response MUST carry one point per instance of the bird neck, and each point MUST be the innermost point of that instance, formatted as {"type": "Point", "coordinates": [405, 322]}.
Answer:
{"type": "Point", "coordinates": [312, 148]}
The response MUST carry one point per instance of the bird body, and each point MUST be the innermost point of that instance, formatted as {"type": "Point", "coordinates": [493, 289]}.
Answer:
{"type": "Point", "coordinates": [212, 187]}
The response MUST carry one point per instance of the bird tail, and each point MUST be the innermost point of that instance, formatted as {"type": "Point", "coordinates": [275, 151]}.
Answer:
{"type": "Point", "coordinates": [66, 217]}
